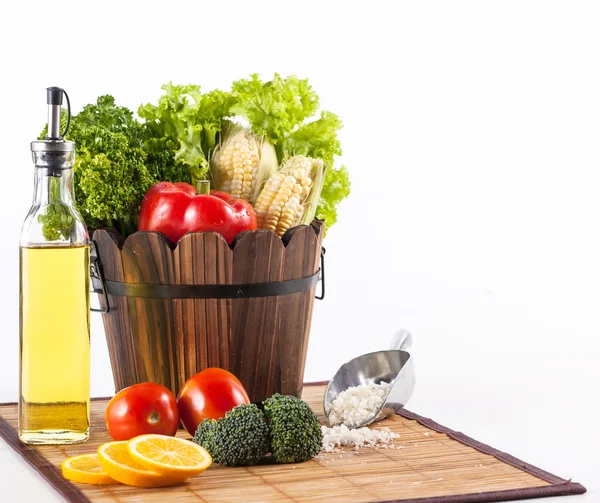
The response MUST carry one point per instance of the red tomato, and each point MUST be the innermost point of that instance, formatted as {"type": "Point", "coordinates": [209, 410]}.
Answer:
{"type": "Point", "coordinates": [209, 395]}
{"type": "Point", "coordinates": [142, 408]}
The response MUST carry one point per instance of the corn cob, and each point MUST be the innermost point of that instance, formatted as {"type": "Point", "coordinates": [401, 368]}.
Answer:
{"type": "Point", "coordinates": [290, 196]}
{"type": "Point", "coordinates": [241, 164]}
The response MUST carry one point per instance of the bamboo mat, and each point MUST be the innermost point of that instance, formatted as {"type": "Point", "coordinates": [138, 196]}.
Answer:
{"type": "Point", "coordinates": [429, 464]}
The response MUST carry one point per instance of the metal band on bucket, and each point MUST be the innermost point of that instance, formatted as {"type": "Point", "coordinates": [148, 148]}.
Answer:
{"type": "Point", "coordinates": [270, 289]}
{"type": "Point", "coordinates": [105, 287]}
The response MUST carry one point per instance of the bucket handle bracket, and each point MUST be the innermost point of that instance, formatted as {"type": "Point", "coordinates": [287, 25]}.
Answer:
{"type": "Point", "coordinates": [321, 296]}
{"type": "Point", "coordinates": [98, 283]}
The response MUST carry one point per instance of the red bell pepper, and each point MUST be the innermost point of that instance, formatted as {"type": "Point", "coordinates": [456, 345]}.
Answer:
{"type": "Point", "coordinates": [175, 209]}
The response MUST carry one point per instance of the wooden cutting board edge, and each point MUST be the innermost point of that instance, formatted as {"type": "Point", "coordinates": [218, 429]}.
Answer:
{"type": "Point", "coordinates": [558, 487]}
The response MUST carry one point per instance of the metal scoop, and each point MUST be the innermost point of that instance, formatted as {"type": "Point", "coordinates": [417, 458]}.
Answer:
{"type": "Point", "coordinates": [394, 365]}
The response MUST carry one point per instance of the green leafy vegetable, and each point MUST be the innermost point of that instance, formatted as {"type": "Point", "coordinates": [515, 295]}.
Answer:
{"type": "Point", "coordinates": [335, 189]}
{"type": "Point", "coordinates": [182, 131]}
{"type": "Point", "coordinates": [276, 108]}
{"type": "Point", "coordinates": [111, 180]}
{"type": "Point", "coordinates": [109, 117]}
{"type": "Point", "coordinates": [111, 177]}
{"type": "Point", "coordinates": [119, 158]}
{"type": "Point", "coordinates": [284, 111]}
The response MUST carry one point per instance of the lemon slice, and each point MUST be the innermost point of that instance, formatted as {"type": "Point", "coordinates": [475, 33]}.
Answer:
{"type": "Point", "coordinates": [117, 463]}
{"type": "Point", "coordinates": [170, 456]}
{"type": "Point", "coordinates": [85, 469]}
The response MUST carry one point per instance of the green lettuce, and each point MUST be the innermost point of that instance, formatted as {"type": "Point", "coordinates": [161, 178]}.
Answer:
{"type": "Point", "coordinates": [182, 131]}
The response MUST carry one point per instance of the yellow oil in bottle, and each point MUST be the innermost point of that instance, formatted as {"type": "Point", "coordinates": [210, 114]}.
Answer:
{"type": "Point", "coordinates": [54, 402]}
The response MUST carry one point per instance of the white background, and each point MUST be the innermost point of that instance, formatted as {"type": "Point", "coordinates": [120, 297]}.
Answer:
{"type": "Point", "coordinates": [472, 134]}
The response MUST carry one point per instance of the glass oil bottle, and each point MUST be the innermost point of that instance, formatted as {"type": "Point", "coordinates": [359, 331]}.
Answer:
{"type": "Point", "coordinates": [54, 401]}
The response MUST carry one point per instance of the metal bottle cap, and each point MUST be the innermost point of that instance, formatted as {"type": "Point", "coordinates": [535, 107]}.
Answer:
{"type": "Point", "coordinates": [54, 141]}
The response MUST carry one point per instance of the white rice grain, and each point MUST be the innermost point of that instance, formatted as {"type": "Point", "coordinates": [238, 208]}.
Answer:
{"type": "Point", "coordinates": [338, 436]}
{"type": "Point", "coordinates": [357, 404]}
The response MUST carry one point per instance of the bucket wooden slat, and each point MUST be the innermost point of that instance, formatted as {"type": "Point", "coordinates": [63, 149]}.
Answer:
{"type": "Point", "coordinates": [315, 255]}
{"type": "Point", "coordinates": [187, 353]}
{"type": "Point", "coordinates": [162, 249]}
{"type": "Point", "coordinates": [180, 317]}
{"type": "Point", "coordinates": [301, 259]}
{"type": "Point", "coordinates": [116, 321]}
{"type": "Point", "coordinates": [200, 344]}
{"type": "Point", "coordinates": [257, 258]}
{"type": "Point", "coordinates": [224, 277]}
{"type": "Point", "coordinates": [217, 271]}
{"type": "Point", "coordinates": [146, 257]}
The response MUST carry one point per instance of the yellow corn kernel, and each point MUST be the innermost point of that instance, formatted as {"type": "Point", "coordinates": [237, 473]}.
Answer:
{"type": "Point", "coordinates": [280, 204]}
{"type": "Point", "coordinates": [267, 196]}
{"type": "Point", "coordinates": [235, 164]}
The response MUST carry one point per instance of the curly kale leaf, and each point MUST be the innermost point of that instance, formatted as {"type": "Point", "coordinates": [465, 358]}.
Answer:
{"type": "Point", "coordinates": [106, 115]}
{"type": "Point", "coordinates": [111, 180]}
{"type": "Point", "coordinates": [111, 176]}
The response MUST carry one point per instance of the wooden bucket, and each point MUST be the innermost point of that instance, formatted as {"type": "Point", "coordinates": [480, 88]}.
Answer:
{"type": "Point", "coordinates": [164, 324]}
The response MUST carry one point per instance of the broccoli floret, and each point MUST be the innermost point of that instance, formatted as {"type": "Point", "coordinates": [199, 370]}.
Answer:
{"type": "Point", "coordinates": [241, 438]}
{"type": "Point", "coordinates": [295, 430]}
{"type": "Point", "coordinates": [204, 434]}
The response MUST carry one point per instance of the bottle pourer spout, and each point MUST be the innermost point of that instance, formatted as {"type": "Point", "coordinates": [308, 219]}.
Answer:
{"type": "Point", "coordinates": [54, 98]}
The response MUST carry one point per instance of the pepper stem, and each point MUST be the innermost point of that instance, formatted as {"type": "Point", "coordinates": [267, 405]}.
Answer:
{"type": "Point", "coordinates": [203, 187]}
